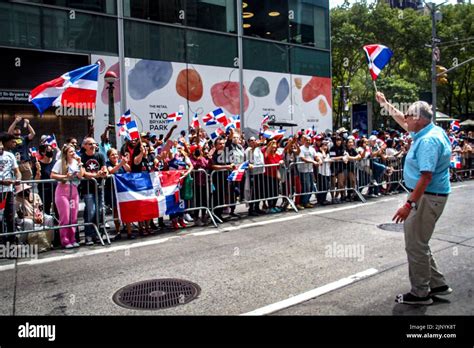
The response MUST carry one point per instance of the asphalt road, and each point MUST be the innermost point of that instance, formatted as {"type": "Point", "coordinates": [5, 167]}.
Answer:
{"type": "Point", "coordinates": [252, 263]}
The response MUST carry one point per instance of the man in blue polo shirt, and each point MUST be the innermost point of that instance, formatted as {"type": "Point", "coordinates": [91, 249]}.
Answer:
{"type": "Point", "coordinates": [426, 175]}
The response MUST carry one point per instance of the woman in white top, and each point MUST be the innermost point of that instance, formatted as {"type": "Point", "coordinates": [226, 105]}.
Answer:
{"type": "Point", "coordinates": [68, 170]}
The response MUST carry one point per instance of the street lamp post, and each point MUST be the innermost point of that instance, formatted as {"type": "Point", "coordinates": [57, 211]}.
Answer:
{"type": "Point", "coordinates": [110, 78]}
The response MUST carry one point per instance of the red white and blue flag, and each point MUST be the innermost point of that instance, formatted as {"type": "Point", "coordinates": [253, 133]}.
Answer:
{"type": "Point", "coordinates": [378, 57]}
{"type": "Point", "coordinates": [236, 121]}
{"type": "Point", "coordinates": [147, 195]}
{"type": "Point", "coordinates": [215, 116]}
{"type": "Point", "coordinates": [130, 130]}
{"type": "Point", "coordinates": [216, 134]}
{"type": "Point", "coordinates": [3, 203]}
{"type": "Point", "coordinates": [34, 152]}
{"type": "Point", "coordinates": [125, 118]}
{"type": "Point", "coordinates": [209, 120]}
{"type": "Point", "coordinates": [195, 121]}
{"type": "Point", "coordinates": [453, 141]}
{"type": "Point", "coordinates": [77, 88]}
{"type": "Point", "coordinates": [238, 174]}
{"type": "Point", "coordinates": [455, 126]}
{"type": "Point", "coordinates": [270, 134]}
{"type": "Point", "coordinates": [310, 132]}
{"type": "Point", "coordinates": [266, 117]}
{"type": "Point", "coordinates": [51, 140]}
{"type": "Point", "coordinates": [175, 117]}
{"type": "Point", "coordinates": [456, 162]}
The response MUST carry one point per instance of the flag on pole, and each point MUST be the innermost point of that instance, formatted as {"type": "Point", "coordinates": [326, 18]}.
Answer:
{"type": "Point", "coordinates": [195, 121]}
{"type": "Point", "coordinates": [455, 126]}
{"type": "Point", "coordinates": [238, 173]}
{"type": "Point", "coordinates": [266, 117]}
{"type": "Point", "coordinates": [217, 115]}
{"type": "Point", "coordinates": [51, 140]}
{"type": "Point", "coordinates": [378, 57]}
{"type": "Point", "coordinates": [130, 130]}
{"type": "Point", "coordinates": [270, 134]}
{"type": "Point", "coordinates": [456, 162]}
{"type": "Point", "coordinates": [175, 117]}
{"type": "Point", "coordinates": [34, 152]}
{"type": "Point", "coordinates": [216, 134]}
{"type": "Point", "coordinates": [125, 118]}
{"type": "Point", "coordinates": [209, 120]}
{"type": "Point", "coordinates": [77, 88]}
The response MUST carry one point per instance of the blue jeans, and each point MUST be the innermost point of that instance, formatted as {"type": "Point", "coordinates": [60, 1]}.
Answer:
{"type": "Point", "coordinates": [377, 170]}
{"type": "Point", "coordinates": [306, 186]}
{"type": "Point", "coordinates": [90, 211]}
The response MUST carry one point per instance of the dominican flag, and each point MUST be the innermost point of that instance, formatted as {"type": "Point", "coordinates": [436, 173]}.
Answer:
{"type": "Point", "coordinates": [270, 134]}
{"type": "Point", "coordinates": [218, 132]}
{"type": "Point", "coordinates": [3, 203]}
{"type": "Point", "coordinates": [77, 88]}
{"type": "Point", "coordinates": [51, 140]}
{"type": "Point", "coordinates": [125, 118]}
{"type": "Point", "coordinates": [456, 162]}
{"type": "Point", "coordinates": [377, 56]}
{"type": "Point", "coordinates": [311, 132]}
{"type": "Point", "coordinates": [195, 121]}
{"type": "Point", "coordinates": [145, 196]}
{"type": "Point", "coordinates": [130, 130]}
{"type": "Point", "coordinates": [453, 141]}
{"type": "Point", "coordinates": [175, 117]}
{"type": "Point", "coordinates": [209, 120]}
{"type": "Point", "coordinates": [236, 121]}
{"type": "Point", "coordinates": [34, 152]}
{"type": "Point", "coordinates": [266, 117]}
{"type": "Point", "coordinates": [238, 173]}
{"type": "Point", "coordinates": [217, 115]}
{"type": "Point", "coordinates": [229, 126]}
{"type": "Point", "coordinates": [455, 127]}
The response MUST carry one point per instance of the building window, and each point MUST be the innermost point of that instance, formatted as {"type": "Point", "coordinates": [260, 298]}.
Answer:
{"type": "Point", "coordinates": [210, 49]}
{"type": "Point", "coordinates": [167, 11]}
{"type": "Point", "coordinates": [305, 61]}
{"type": "Point", "coordinates": [266, 19]}
{"type": "Point", "coordinates": [309, 24]}
{"type": "Point", "coordinates": [268, 56]}
{"type": "Point", "coordinates": [153, 41]}
{"type": "Point", "coordinates": [46, 28]}
{"type": "Point", "coordinates": [102, 6]}
{"type": "Point", "coordinates": [216, 15]}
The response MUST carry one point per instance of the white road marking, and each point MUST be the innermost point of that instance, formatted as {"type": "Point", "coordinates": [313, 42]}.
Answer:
{"type": "Point", "coordinates": [312, 293]}
{"type": "Point", "coordinates": [111, 249]}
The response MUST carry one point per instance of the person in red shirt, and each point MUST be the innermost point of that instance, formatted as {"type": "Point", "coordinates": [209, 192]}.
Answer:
{"type": "Point", "coordinates": [272, 175]}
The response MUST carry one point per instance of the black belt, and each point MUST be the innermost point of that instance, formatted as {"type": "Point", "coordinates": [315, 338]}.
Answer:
{"type": "Point", "coordinates": [433, 194]}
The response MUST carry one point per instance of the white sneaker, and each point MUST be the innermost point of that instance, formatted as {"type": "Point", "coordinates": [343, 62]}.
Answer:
{"type": "Point", "coordinates": [76, 245]}
{"type": "Point", "coordinates": [188, 218]}
{"type": "Point", "coordinates": [68, 246]}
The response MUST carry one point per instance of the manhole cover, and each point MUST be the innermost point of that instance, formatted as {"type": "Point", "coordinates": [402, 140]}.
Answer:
{"type": "Point", "coordinates": [156, 294]}
{"type": "Point", "coordinates": [391, 227]}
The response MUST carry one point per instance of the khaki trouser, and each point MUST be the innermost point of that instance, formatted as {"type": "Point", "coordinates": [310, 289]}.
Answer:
{"type": "Point", "coordinates": [419, 227]}
{"type": "Point", "coordinates": [25, 170]}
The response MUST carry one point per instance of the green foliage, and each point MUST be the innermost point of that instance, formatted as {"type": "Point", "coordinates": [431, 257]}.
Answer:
{"type": "Point", "coordinates": [406, 32]}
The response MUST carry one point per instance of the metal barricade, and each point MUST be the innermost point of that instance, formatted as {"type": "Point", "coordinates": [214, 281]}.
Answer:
{"type": "Point", "coordinates": [255, 187]}
{"type": "Point", "coordinates": [31, 221]}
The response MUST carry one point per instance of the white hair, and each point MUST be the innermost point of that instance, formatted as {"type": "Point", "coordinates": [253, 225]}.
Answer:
{"type": "Point", "coordinates": [421, 109]}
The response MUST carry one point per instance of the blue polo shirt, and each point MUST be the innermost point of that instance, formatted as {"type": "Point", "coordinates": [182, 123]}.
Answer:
{"type": "Point", "coordinates": [429, 152]}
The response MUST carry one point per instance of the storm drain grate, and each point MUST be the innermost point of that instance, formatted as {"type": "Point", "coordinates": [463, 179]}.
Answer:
{"type": "Point", "coordinates": [156, 294]}
{"type": "Point", "coordinates": [391, 227]}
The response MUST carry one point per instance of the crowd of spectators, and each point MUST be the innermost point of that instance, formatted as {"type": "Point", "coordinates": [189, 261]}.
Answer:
{"type": "Point", "coordinates": [327, 164]}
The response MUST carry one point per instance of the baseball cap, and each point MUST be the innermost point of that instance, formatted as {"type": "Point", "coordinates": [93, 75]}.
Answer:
{"type": "Point", "coordinates": [355, 131]}
{"type": "Point", "coordinates": [373, 137]}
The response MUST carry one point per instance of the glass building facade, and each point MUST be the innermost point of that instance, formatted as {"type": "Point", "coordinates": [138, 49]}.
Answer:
{"type": "Point", "coordinates": [286, 37]}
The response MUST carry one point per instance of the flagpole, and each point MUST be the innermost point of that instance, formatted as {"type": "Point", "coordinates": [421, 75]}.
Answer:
{"type": "Point", "coordinates": [375, 85]}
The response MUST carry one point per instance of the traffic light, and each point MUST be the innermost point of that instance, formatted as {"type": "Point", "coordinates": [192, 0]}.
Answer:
{"type": "Point", "coordinates": [442, 76]}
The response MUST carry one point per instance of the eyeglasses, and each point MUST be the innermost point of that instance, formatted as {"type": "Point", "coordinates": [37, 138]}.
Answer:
{"type": "Point", "coordinates": [93, 144]}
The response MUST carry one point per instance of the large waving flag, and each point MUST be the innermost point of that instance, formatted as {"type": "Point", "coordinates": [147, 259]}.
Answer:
{"type": "Point", "coordinates": [270, 134]}
{"type": "Point", "coordinates": [125, 118]}
{"type": "Point", "coordinates": [175, 117]}
{"type": "Point", "coordinates": [215, 116]}
{"type": "Point", "coordinates": [455, 126]}
{"type": "Point", "coordinates": [378, 57]}
{"type": "Point", "coordinates": [238, 173]}
{"type": "Point", "coordinates": [130, 130]}
{"type": "Point", "coordinates": [144, 196]}
{"type": "Point", "coordinates": [77, 88]}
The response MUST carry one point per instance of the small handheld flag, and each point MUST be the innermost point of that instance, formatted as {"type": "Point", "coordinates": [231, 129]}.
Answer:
{"type": "Point", "coordinates": [378, 57]}
{"type": "Point", "coordinates": [34, 152]}
{"type": "Point", "coordinates": [51, 140]}
{"type": "Point", "coordinates": [270, 134]}
{"type": "Point", "coordinates": [130, 130]}
{"type": "Point", "coordinates": [266, 117]}
{"type": "Point", "coordinates": [195, 121]}
{"type": "Point", "coordinates": [236, 121]}
{"type": "Point", "coordinates": [238, 173]}
{"type": "Point", "coordinates": [77, 87]}
{"type": "Point", "coordinates": [175, 117]}
{"type": "Point", "coordinates": [125, 118]}
{"type": "Point", "coordinates": [214, 135]}
{"type": "Point", "coordinates": [215, 116]}
{"type": "Point", "coordinates": [456, 162]}
{"type": "Point", "coordinates": [455, 126]}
